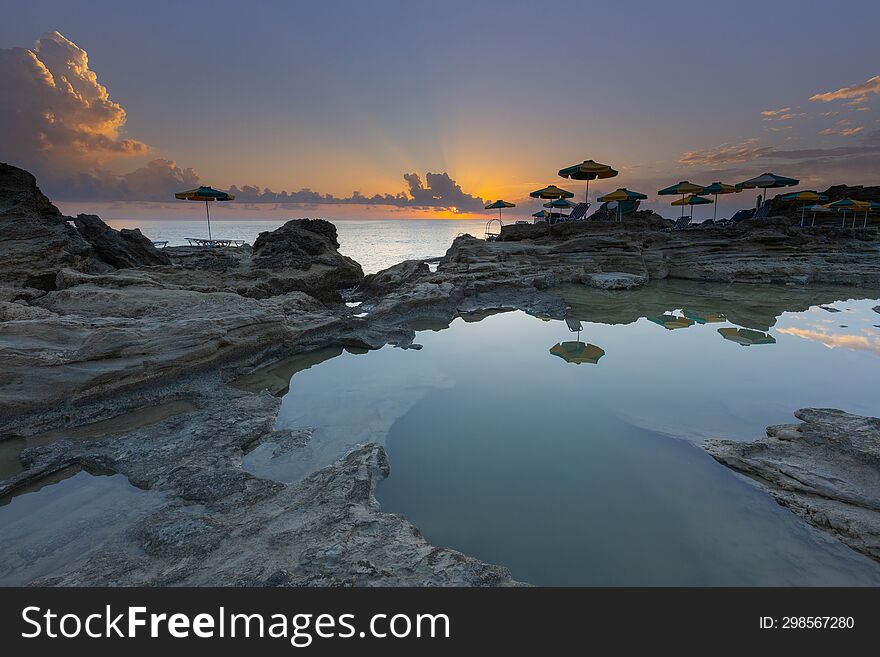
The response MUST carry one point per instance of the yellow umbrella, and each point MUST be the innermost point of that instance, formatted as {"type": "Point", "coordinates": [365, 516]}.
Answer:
{"type": "Point", "coordinates": [845, 204]}
{"type": "Point", "coordinates": [684, 188]}
{"type": "Point", "coordinates": [622, 194]}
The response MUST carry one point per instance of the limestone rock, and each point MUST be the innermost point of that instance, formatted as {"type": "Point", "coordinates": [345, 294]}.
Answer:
{"type": "Point", "coordinates": [122, 249]}
{"type": "Point", "coordinates": [826, 469]}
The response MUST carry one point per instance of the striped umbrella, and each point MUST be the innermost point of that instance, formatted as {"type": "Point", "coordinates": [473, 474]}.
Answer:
{"type": "Point", "coordinates": [845, 204]}
{"type": "Point", "coordinates": [541, 214]}
{"type": "Point", "coordinates": [683, 188]}
{"type": "Point", "coordinates": [692, 200]}
{"type": "Point", "coordinates": [499, 205]}
{"type": "Point", "coordinates": [551, 192]}
{"type": "Point", "coordinates": [206, 194]}
{"type": "Point", "coordinates": [560, 203]}
{"type": "Point", "coordinates": [622, 194]}
{"type": "Point", "coordinates": [588, 170]}
{"type": "Point", "coordinates": [808, 197]}
{"type": "Point", "coordinates": [717, 188]}
{"type": "Point", "coordinates": [768, 181]}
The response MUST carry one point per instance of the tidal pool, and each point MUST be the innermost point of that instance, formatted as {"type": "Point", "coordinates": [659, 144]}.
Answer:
{"type": "Point", "coordinates": [569, 451]}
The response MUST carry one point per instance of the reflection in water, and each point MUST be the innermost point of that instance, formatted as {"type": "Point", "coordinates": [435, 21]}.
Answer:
{"type": "Point", "coordinates": [577, 352]}
{"type": "Point", "coordinates": [833, 340]}
{"type": "Point", "coordinates": [10, 449]}
{"type": "Point", "coordinates": [60, 525]}
{"type": "Point", "coordinates": [671, 322]}
{"type": "Point", "coordinates": [704, 317]}
{"type": "Point", "coordinates": [571, 475]}
{"type": "Point", "coordinates": [746, 337]}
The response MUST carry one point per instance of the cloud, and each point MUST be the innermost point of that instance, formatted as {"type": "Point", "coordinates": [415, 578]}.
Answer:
{"type": "Point", "coordinates": [54, 114]}
{"type": "Point", "coordinates": [870, 86]}
{"type": "Point", "coordinates": [843, 128]}
{"type": "Point", "coordinates": [834, 340]}
{"type": "Point", "coordinates": [725, 153]}
{"type": "Point", "coordinates": [159, 179]}
{"type": "Point", "coordinates": [769, 115]}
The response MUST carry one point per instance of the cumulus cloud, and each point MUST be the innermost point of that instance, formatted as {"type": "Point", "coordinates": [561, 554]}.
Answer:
{"type": "Point", "coordinates": [870, 86]}
{"type": "Point", "coordinates": [53, 111]}
{"type": "Point", "coordinates": [726, 153]}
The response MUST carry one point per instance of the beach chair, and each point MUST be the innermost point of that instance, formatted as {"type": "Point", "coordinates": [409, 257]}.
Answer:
{"type": "Point", "coordinates": [681, 223]}
{"type": "Point", "coordinates": [579, 212]}
{"type": "Point", "coordinates": [160, 244]}
{"type": "Point", "coordinates": [763, 212]}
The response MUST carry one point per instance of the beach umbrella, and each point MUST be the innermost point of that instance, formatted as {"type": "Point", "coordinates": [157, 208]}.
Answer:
{"type": "Point", "coordinates": [588, 170]}
{"type": "Point", "coordinates": [206, 194]}
{"type": "Point", "coordinates": [718, 188]}
{"type": "Point", "coordinates": [815, 209]}
{"type": "Point", "coordinates": [577, 352]}
{"type": "Point", "coordinates": [551, 192]}
{"type": "Point", "coordinates": [560, 203]}
{"type": "Point", "coordinates": [622, 194]}
{"type": "Point", "coordinates": [807, 197]}
{"type": "Point", "coordinates": [499, 205]}
{"type": "Point", "coordinates": [746, 337]}
{"type": "Point", "coordinates": [768, 181]}
{"type": "Point", "coordinates": [541, 214]}
{"type": "Point", "coordinates": [692, 200]}
{"type": "Point", "coordinates": [845, 204]}
{"type": "Point", "coordinates": [682, 188]}
{"type": "Point", "coordinates": [873, 206]}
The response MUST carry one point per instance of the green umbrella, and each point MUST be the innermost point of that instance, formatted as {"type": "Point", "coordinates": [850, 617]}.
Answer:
{"type": "Point", "coordinates": [768, 181]}
{"type": "Point", "coordinates": [845, 204]}
{"type": "Point", "coordinates": [808, 197]}
{"type": "Point", "coordinates": [682, 188]}
{"type": "Point", "coordinates": [551, 192]}
{"type": "Point", "coordinates": [206, 194]}
{"type": "Point", "coordinates": [717, 188]}
{"type": "Point", "coordinates": [622, 194]}
{"type": "Point", "coordinates": [692, 200]}
{"type": "Point", "coordinates": [559, 203]}
{"type": "Point", "coordinates": [499, 205]}
{"type": "Point", "coordinates": [588, 170]}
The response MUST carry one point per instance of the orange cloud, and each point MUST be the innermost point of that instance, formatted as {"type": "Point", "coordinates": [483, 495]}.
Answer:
{"type": "Point", "coordinates": [742, 152]}
{"type": "Point", "coordinates": [870, 86]}
{"type": "Point", "coordinates": [53, 110]}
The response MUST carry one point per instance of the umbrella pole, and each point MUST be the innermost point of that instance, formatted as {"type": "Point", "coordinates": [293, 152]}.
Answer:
{"type": "Point", "coordinates": [587, 192]}
{"type": "Point", "coordinates": [715, 214]}
{"type": "Point", "coordinates": [208, 214]}
{"type": "Point", "coordinates": [803, 209]}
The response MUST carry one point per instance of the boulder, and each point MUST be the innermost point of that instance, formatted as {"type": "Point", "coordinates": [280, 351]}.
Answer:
{"type": "Point", "coordinates": [124, 248]}
{"type": "Point", "coordinates": [37, 239]}
{"type": "Point", "coordinates": [383, 282]}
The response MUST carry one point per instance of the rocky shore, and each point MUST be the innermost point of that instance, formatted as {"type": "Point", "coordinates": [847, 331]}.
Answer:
{"type": "Point", "coordinates": [97, 325]}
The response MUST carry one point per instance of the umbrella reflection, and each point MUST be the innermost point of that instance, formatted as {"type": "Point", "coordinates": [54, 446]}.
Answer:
{"type": "Point", "coordinates": [705, 317]}
{"type": "Point", "coordinates": [746, 337]}
{"type": "Point", "coordinates": [577, 352]}
{"type": "Point", "coordinates": [671, 322]}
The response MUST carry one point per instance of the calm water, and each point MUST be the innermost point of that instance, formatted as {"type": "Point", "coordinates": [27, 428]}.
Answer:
{"type": "Point", "coordinates": [374, 243]}
{"type": "Point", "coordinates": [591, 473]}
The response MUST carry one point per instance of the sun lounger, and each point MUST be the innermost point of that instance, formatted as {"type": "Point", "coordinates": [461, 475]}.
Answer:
{"type": "Point", "coordinates": [681, 223]}
{"type": "Point", "coordinates": [763, 212]}
{"type": "Point", "coordinates": [213, 244]}
{"type": "Point", "coordinates": [573, 324]}
{"type": "Point", "coordinates": [579, 212]}
{"type": "Point", "coordinates": [161, 244]}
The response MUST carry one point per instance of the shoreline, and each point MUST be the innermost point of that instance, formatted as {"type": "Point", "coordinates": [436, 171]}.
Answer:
{"type": "Point", "coordinates": [105, 341]}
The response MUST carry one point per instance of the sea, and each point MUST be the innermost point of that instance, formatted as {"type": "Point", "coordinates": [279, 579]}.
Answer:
{"type": "Point", "coordinates": [374, 243]}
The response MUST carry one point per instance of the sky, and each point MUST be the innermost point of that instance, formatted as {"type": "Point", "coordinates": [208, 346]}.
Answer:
{"type": "Point", "coordinates": [432, 108]}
